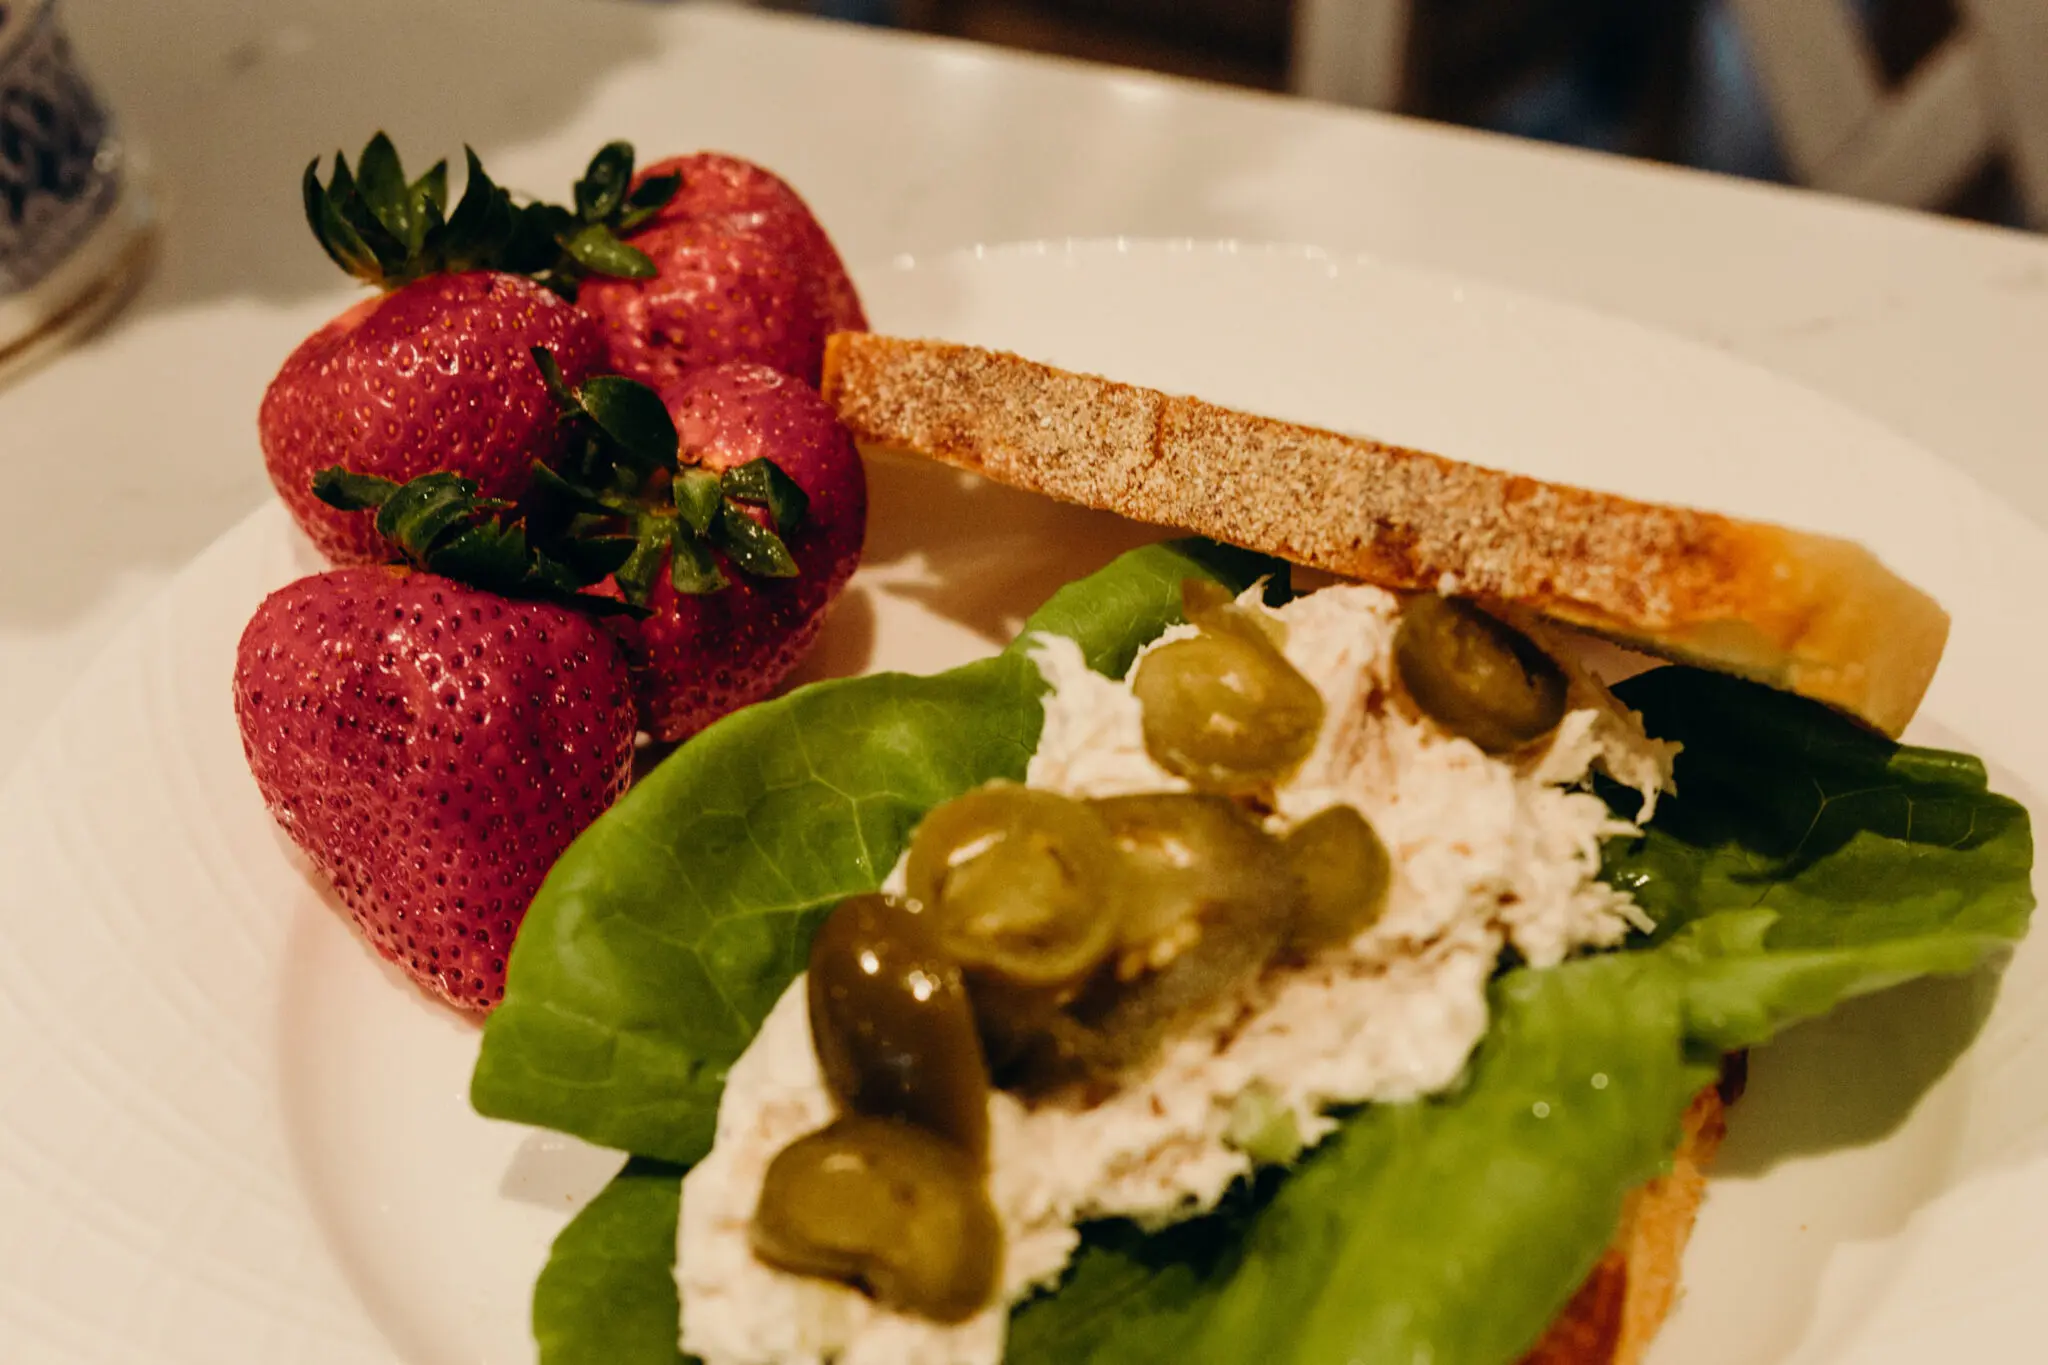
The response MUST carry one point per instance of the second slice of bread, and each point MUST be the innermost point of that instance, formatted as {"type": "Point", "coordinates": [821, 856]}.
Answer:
{"type": "Point", "coordinates": [1617, 1312]}
{"type": "Point", "coordinates": [1806, 613]}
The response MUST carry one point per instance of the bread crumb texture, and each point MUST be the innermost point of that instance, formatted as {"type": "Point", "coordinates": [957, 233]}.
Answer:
{"type": "Point", "coordinates": [1807, 613]}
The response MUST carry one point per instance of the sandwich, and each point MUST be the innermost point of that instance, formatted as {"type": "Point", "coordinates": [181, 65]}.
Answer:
{"type": "Point", "coordinates": [1230, 973]}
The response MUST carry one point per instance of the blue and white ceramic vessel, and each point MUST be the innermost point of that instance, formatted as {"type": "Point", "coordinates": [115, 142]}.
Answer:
{"type": "Point", "coordinates": [72, 229]}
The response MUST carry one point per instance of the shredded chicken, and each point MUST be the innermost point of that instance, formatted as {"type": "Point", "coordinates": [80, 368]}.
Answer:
{"type": "Point", "coordinates": [1487, 854]}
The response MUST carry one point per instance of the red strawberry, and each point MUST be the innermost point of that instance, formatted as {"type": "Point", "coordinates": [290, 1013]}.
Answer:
{"type": "Point", "coordinates": [715, 185]}
{"type": "Point", "coordinates": [433, 748]}
{"type": "Point", "coordinates": [696, 657]}
{"type": "Point", "coordinates": [434, 375]}
{"type": "Point", "coordinates": [723, 293]}
{"type": "Point", "coordinates": [743, 272]}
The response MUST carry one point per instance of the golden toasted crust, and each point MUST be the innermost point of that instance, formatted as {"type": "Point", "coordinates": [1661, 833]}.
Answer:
{"type": "Point", "coordinates": [1810, 614]}
{"type": "Point", "coordinates": [1619, 1308]}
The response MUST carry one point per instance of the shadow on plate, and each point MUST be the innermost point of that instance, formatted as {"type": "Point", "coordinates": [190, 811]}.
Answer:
{"type": "Point", "coordinates": [975, 554]}
{"type": "Point", "coordinates": [557, 1173]}
{"type": "Point", "coordinates": [1853, 1078]}
{"type": "Point", "coordinates": [846, 642]}
{"type": "Point", "coordinates": [980, 554]}
{"type": "Point", "coordinates": [1851, 1125]}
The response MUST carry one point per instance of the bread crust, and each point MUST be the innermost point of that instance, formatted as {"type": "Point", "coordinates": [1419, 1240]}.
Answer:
{"type": "Point", "coordinates": [1617, 1311]}
{"type": "Point", "coordinates": [1810, 614]}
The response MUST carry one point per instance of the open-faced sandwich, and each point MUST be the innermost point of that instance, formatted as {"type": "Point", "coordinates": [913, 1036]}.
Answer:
{"type": "Point", "coordinates": [1222, 974]}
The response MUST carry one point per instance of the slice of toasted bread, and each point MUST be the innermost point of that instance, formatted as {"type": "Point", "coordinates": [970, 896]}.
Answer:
{"type": "Point", "coordinates": [1810, 614]}
{"type": "Point", "coordinates": [1619, 1308]}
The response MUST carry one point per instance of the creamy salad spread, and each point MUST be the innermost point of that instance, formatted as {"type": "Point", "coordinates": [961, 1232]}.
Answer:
{"type": "Point", "coordinates": [1487, 853]}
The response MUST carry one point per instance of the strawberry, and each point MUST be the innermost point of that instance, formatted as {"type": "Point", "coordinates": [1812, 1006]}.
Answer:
{"type": "Point", "coordinates": [697, 655]}
{"type": "Point", "coordinates": [726, 513]}
{"type": "Point", "coordinates": [433, 734]}
{"type": "Point", "coordinates": [433, 748]}
{"type": "Point", "coordinates": [742, 271]}
{"type": "Point", "coordinates": [712, 185]}
{"type": "Point", "coordinates": [721, 294]}
{"type": "Point", "coordinates": [433, 375]}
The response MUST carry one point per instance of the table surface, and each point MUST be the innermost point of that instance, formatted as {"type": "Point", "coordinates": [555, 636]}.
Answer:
{"type": "Point", "coordinates": [126, 456]}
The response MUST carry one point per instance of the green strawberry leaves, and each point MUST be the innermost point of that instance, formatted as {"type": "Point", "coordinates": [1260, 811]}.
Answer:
{"type": "Point", "coordinates": [347, 492]}
{"type": "Point", "coordinates": [404, 209]}
{"type": "Point", "coordinates": [607, 206]}
{"type": "Point", "coordinates": [653, 542]}
{"type": "Point", "coordinates": [626, 422]}
{"type": "Point", "coordinates": [621, 507]}
{"type": "Point", "coordinates": [691, 569]}
{"type": "Point", "coordinates": [751, 545]}
{"type": "Point", "coordinates": [414, 516]}
{"type": "Point", "coordinates": [627, 470]}
{"type": "Point", "coordinates": [713, 508]}
{"type": "Point", "coordinates": [634, 418]}
{"type": "Point", "coordinates": [762, 482]}
{"type": "Point", "coordinates": [482, 231]}
{"type": "Point", "coordinates": [699, 496]}
{"type": "Point", "coordinates": [389, 231]}
{"type": "Point", "coordinates": [594, 250]}
{"type": "Point", "coordinates": [439, 523]}
{"type": "Point", "coordinates": [605, 195]}
{"type": "Point", "coordinates": [603, 187]}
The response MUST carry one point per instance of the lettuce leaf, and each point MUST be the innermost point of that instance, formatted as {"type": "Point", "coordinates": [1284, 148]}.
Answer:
{"type": "Point", "coordinates": [1449, 1230]}
{"type": "Point", "coordinates": [608, 1292]}
{"type": "Point", "coordinates": [663, 936]}
{"type": "Point", "coordinates": [1805, 861]}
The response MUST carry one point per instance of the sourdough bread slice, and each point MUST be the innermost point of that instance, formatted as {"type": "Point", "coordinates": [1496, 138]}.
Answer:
{"type": "Point", "coordinates": [1806, 613]}
{"type": "Point", "coordinates": [1617, 1311]}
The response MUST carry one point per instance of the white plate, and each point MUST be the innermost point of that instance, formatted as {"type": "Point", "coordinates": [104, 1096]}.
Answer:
{"type": "Point", "coordinates": [228, 1136]}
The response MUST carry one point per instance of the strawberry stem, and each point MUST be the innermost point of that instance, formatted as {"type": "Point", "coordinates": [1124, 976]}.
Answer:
{"type": "Point", "coordinates": [337, 487]}
{"type": "Point", "coordinates": [621, 507]}
{"type": "Point", "coordinates": [691, 569]}
{"type": "Point", "coordinates": [389, 231]}
{"type": "Point", "coordinates": [762, 481]}
{"type": "Point", "coordinates": [629, 466]}
{"type": "Point", "coordinates": [438, 523]}
{"type": "Point", "coordinates": [698, 494]}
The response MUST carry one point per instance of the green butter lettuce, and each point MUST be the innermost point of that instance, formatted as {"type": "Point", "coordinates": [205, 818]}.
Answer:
{"type": "Point", "coordinates": [1447, 1230]}
{"type": "Point", "coordinates": [608, 1293]}
{"type": "Point", "coordinates": [664, 935]}
{"type": "Point", "coordinates": [1805, 861]}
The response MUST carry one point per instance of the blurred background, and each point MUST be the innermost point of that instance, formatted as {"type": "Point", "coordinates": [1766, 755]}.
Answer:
{"type": "Point", "coordinates": [1937, 104]}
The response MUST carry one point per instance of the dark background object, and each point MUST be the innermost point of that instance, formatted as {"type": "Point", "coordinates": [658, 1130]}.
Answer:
{"type": "Point", "coordinates": [1663, 79]}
